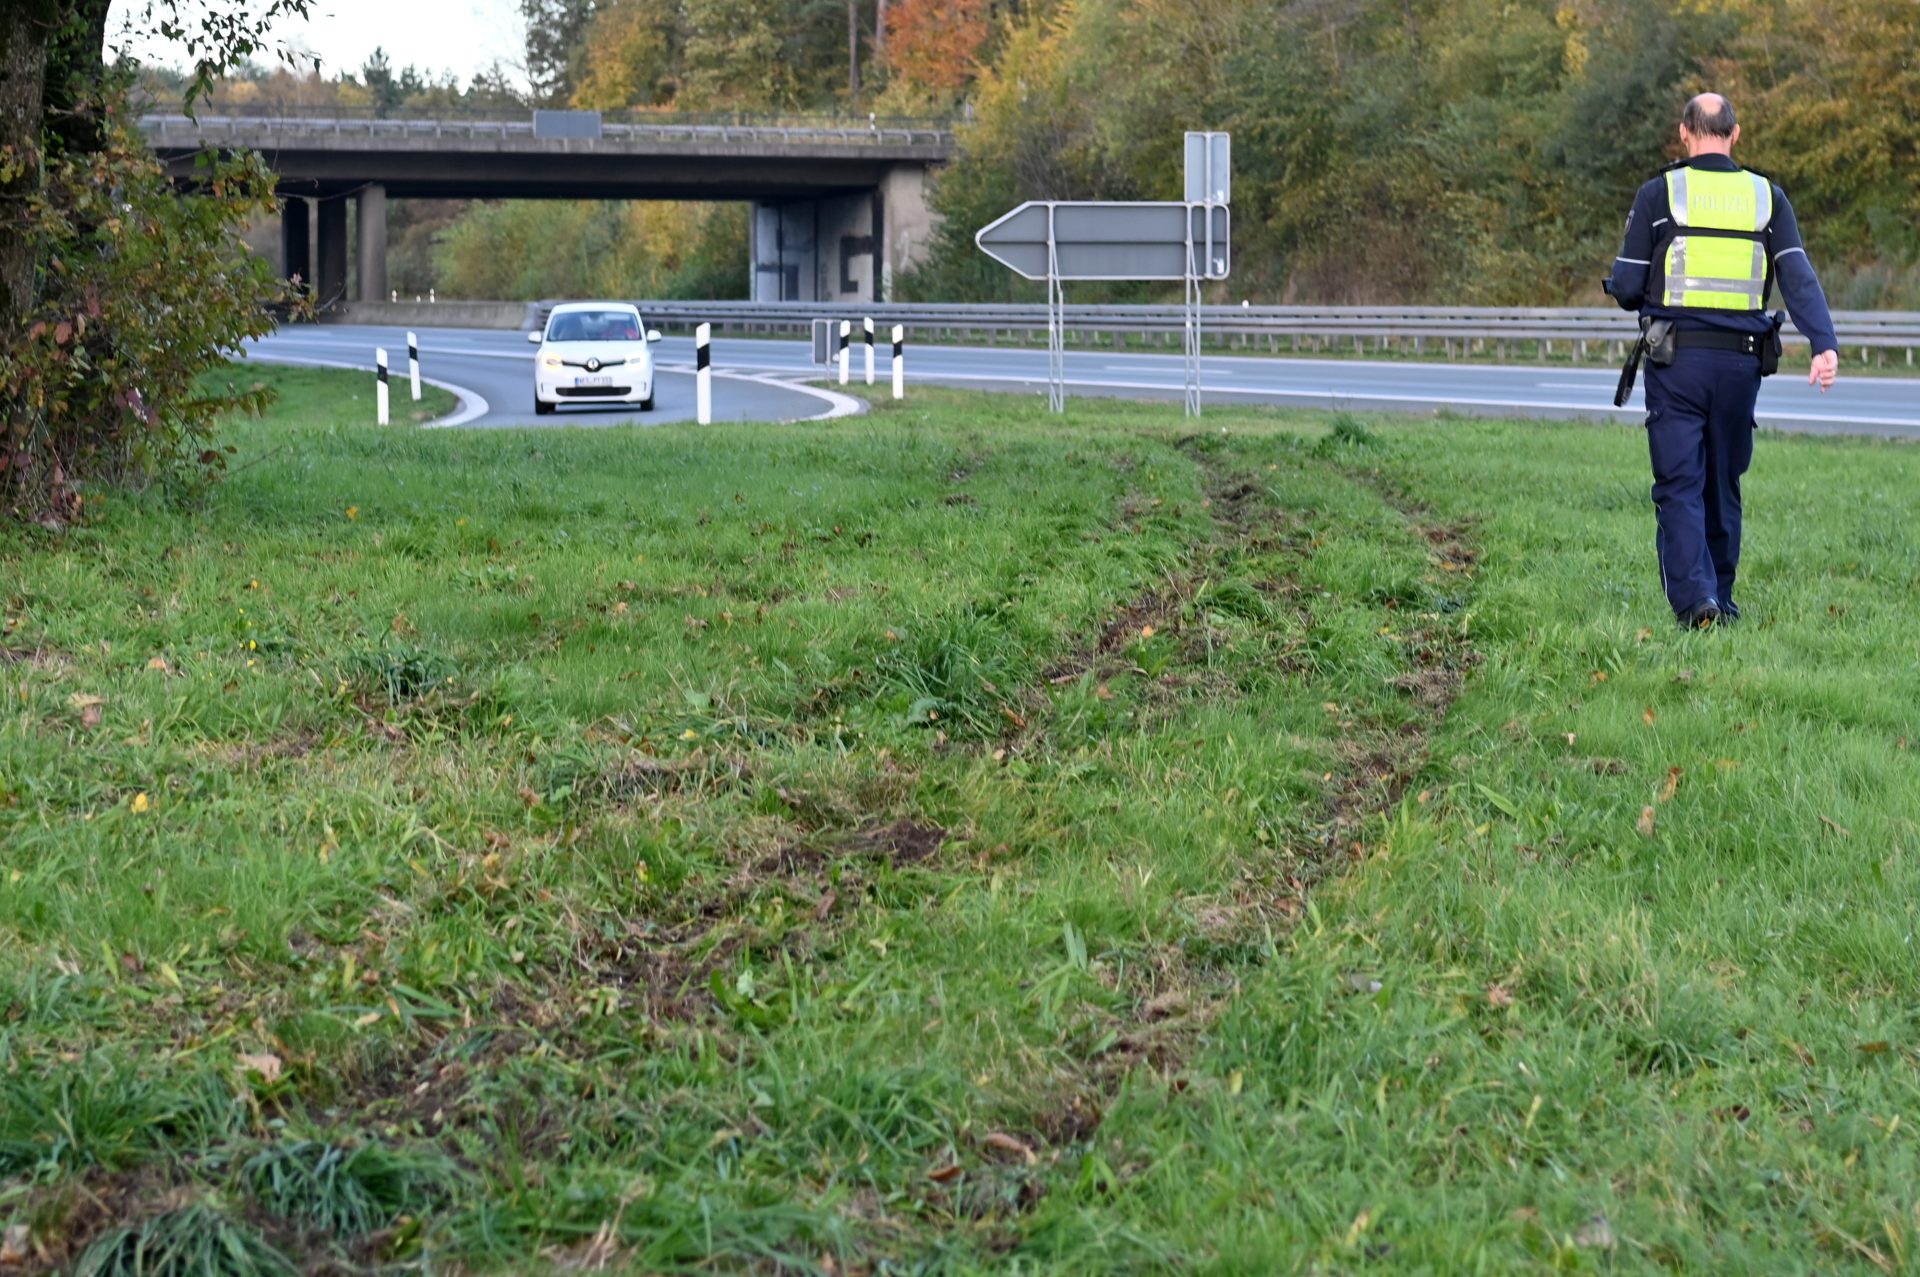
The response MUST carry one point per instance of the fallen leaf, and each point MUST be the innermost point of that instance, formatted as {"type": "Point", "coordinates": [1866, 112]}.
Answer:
{"type": "Point", "coordinates": [1643, 635]}
{"type": "Point", "coordinates": [139, 804]}
{"type": "Point", "coordinates": [160, 663]}
{"type": "Point", "coordinates": [1595, 1234]}
{"type": "Point", "coordinates": [15, 1245]}
{"type": "Point", "coordinates": [268, 1067]}
{"type": "Point", "coordinates": [1009, 1144]}
{"type": "Point", "coordinates": [1146, 631]}
{"type": "Point", "coordinates": [1645, 825]}
{"type": "Point", "coordinates": [1570, 738]}
{"type": "Point", "coordinates": [1874, 1048]}
{"type": "Point", "coordinates": [1499, 995]}
{"type": "Point", "coordinates": [1596, 678]}
{"type": "Point", "coordinates": [1684, 676]}
{"type": "Point", "coordinates": [1672, 787]}
{"type": "Point", "coordinates": [1103, 692]}
{"type": "Point", "coordinates": [1646, 716]}
{"type": "Point", "coordinates": [401, 625]}
{"type": "Point", "coordinates": [1837, 828]}
{"type": "Point", "coordinates": [945, 1174]}
{"type": "Point", "coordinates": [353, 512]}
{"type": "Point", "coordinates": [1805, 1056]}
{"type": "Point", "coordinates": [90, 716]}
{"type": "Point", "coordinates": [371, 1017]}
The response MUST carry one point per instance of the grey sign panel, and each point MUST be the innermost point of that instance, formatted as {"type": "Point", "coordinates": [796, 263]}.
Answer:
{"type": "Point", "coordinates": [581, 125]}
{"type": "Point", "coordinates": [1111, 241]}
{"type": "Point", "coordinates": [1209, 168]}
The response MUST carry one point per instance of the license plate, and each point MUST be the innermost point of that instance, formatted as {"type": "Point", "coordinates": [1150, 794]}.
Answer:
{"type": "Point", "coordinates": [593, 381]}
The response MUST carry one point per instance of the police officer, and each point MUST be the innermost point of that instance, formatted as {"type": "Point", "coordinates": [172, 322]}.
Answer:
{"type": "Point", "coordinates": [1705, 243]}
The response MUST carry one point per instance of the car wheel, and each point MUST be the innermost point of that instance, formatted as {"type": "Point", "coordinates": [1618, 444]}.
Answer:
{"type": "Point", "coordinates": [646, 405]}
{"type": "Point", "coordinates": [541, 409]}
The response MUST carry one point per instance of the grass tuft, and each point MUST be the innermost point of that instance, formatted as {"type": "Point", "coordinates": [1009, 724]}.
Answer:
{"type": "Point", "coordinates": [193, 1241]}
{"type": "Point", "coordinates": [348, 1190]}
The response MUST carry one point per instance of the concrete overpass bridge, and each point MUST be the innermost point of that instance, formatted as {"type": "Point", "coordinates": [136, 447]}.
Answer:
{"type": "Point", "coordinates": [838, 208]}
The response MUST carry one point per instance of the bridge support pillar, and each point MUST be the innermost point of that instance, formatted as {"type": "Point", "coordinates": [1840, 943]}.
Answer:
{"type": "Point", "coordinates": [906, 221]}
{"type": "Point", "coordinates": [330, 276]}
{"type": "Point", "coordinates": [372, 226]}
{"type": "Point", "coordinates": [296, 249]}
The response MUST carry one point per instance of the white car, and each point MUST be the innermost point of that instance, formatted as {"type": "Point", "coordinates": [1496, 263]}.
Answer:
{"type": "Point", "coordinates": [593, 352]}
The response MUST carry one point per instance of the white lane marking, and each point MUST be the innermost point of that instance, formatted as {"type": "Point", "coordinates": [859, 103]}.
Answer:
{"type": "Point", "coordinates": [1205, 371]}
{"type": "Point", "coordinates": [838, 405]}
{"type": "Point", "coordinates": [1569, 385]}
{"type": "Point", "coordinates": [472, 403]}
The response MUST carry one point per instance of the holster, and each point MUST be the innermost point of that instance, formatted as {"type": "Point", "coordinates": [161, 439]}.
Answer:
{"type": "Point", "coordinates": [1656, 346]}
{"type": "Point", "coordinates": [1770, 345]}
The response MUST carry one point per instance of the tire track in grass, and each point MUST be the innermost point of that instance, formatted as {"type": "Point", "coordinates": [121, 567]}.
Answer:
{"type": "Point", "coordinates": [1253, 572]}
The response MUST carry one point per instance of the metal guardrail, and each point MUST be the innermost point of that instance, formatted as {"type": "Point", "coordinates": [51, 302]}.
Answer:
{"type": "Point", "coordinates": [163, 128]}
{"type": "Point", "coordinates": [1406, 327]}
{"type": "Point", "coordinates": [632, 115]}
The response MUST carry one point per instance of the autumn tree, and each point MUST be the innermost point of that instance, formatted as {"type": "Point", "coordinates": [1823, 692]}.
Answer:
{"type": "Point", "coordinates": [933, 44]}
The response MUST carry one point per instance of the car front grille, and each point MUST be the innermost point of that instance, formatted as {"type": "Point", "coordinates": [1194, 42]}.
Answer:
{"type": "Point", "coordinates": [591, 392]}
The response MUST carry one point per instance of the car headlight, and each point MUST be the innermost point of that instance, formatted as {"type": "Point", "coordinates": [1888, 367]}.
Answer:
{"type": "Point", "coordinates": [550, 361]}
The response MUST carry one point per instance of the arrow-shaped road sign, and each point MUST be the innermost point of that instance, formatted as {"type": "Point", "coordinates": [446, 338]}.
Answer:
{"type": "Point", "coordinates": [1111, 241]}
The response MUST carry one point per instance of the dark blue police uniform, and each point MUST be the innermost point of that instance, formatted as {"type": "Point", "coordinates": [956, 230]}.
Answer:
{"type": "Point", "coordinates": [1700, 407]}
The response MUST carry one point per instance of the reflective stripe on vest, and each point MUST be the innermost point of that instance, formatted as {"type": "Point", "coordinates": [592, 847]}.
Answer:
{"type": "Point", "coordinates": [1717, 271]}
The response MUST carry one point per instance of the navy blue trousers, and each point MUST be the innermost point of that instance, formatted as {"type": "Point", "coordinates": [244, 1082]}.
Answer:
{"type": "Point", "coordinates": [1700, 435]}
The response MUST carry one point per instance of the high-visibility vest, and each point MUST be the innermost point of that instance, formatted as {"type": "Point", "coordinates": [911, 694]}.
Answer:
{"type": "Point", "coordinates": [1717, 258]}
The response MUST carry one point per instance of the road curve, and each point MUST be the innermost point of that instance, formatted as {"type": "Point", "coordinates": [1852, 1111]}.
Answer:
{"type": "Point", "coordinates": [496, 364]}
{"type": "Point", "coordinates": [492, 371]}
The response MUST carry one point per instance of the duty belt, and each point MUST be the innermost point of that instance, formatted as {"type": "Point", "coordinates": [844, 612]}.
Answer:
{"type": "Point", "coordinates": [1698, 339]}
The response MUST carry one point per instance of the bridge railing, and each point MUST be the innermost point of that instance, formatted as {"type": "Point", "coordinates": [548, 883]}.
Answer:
{"type": "Point", "coordinates": [169, 120]}
{"type": "Point", "coordinates": [1504, 330]}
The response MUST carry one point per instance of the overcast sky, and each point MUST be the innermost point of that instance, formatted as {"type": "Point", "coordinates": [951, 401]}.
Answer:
{"type": "Point", "coordinates": [461, 36]}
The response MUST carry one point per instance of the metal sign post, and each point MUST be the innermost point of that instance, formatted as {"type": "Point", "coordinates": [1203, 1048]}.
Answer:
{"type": "Point", "coordinates": [1053, 241]}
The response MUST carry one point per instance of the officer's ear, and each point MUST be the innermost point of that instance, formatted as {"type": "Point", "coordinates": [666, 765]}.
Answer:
{"type": "Point", "coordinates": [1735, 139]}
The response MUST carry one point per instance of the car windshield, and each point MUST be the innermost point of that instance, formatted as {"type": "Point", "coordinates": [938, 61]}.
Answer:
{"type": "Point", "coordinates": [594, 325]}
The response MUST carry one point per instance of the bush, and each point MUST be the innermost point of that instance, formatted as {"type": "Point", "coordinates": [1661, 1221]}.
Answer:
{"type": "Point", "coordinates": [140, 290]}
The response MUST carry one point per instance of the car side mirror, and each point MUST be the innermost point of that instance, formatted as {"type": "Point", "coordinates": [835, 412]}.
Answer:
{"type": "Point", "coordinates": [533, 338]}
{"type": "Point", "coordinates": [653, 334]}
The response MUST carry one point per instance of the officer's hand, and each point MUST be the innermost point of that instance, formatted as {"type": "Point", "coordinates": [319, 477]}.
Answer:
{"type": "Point", "coordinates": [1826, 366]}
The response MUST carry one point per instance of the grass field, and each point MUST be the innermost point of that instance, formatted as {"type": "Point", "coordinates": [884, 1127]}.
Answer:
{"type": "Point", "coordinates": [958, 841]}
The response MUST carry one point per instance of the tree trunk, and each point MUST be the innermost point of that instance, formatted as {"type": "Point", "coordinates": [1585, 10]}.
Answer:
{"type": "Point", "coordinates": [25, 27]}
{"type": "Point", "coordinates": [853, 56]}
{"type": "Point", "coordinates": [880, 32]}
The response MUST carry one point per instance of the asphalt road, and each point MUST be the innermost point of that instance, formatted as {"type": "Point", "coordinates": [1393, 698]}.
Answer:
{"type": "Point", "coordinates": [492, 372]}
{"type": "Point", "coordinates": [758, 381]}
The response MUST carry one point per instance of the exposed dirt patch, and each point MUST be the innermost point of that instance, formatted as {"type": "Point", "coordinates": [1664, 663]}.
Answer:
{"type": "Point", "coordinates": [47, 659]}
{"type": "Point", "coordinates": [904, 842]}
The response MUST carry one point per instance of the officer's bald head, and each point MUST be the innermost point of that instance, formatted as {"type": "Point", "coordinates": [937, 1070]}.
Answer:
{"type": "Point", "coordinates": [1707, 126]}
{"type": "Point", "coordinates": [1709, 115]}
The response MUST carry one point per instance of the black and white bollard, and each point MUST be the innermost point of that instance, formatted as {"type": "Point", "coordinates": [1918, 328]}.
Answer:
{"type": "Point", "coordinates": [703, 372]}
{"type": "Point", "coordinates": [380, 391]}
{"type": "Point", "coordinates": [413, 364]}
{"type": "Point", "coordinates": [899, 362]}
{"type": "Point", "coordinates": [867, 325]}
{"type": "Point", "coordinates": [846, 335]}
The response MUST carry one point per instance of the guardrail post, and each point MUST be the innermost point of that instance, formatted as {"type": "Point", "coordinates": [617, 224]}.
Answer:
{"type": "Point", "coordinates": [867, 328]}
{"type": "Point", "coordinates": [899, 362]}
